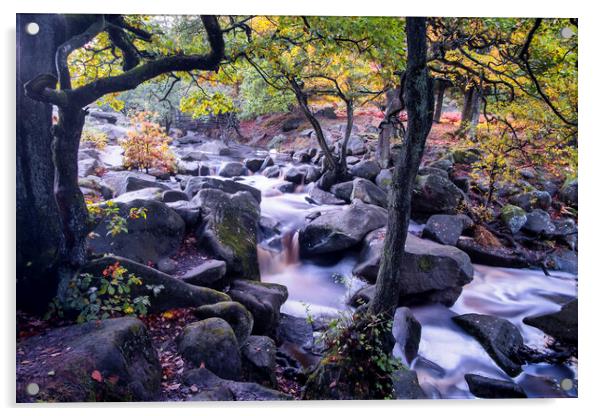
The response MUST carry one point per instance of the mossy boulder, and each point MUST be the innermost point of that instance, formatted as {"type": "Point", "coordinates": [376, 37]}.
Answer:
{"type": "Point", "coordinates": [211, 343]}
{"type": "Point", "coordinates": [229, 230]}
{"type": "Point", "coordinates": [532, 200]}
{"type": "Point", "coordinates": [466, 156]}
{"type": "Point", "coordinates": [514, 217]}
{"type": "Point", "coordinates": [110, 360]}
{"type": "Point", "coordinates": [239, 318]}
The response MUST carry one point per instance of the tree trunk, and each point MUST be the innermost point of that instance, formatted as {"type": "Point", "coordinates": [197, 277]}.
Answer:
{"type": "Point", "coordinates": [419, 101]}
{"type": "Point", "coordinates": [341, 170]}
{"type": "Point", "coordinates": [440, 87]}
{"type": "Point", "coordinates": [470, 112]}
{"type": "Point", "coordinates": [388, 127]}
{"type": "Point", "coordinates": [69, 198]}
{"type": "Point", "coordinates": [38, 223]}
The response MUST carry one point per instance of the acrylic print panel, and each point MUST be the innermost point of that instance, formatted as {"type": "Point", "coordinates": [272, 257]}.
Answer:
{"type": "Point", "coordinates": [295, 208]}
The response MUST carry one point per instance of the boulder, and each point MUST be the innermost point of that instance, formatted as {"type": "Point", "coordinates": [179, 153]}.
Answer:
{"type": "Point", "coordinates": [109, 360]}
{"type": "Point", "coordinates": [561, 325]}
{"type": "Point", "coordinates": [190, 213]}
{"type": "Point", "coordinates": [294, 175]}
{"type": "Point", "coordinates": [263, 300]}
{"type": "Point", "coordinates": [291, 124]}
{"type": "Point", "coordinates": [173, 196]}
{"type": "Point", "coordinates": [208, 274]}
{"type": "Point", "coordinates": [259, 359]}
{"type": "Point", "coordinates": [311, 173]}
{"type": "Point", "coordinates": [491, 255]}
{"type": "Point", "coordinates": [531, 200]}
{"type": "Point", "coordinates": [406, 386]}
{"type": "Point", "coordinates": [539, 222]}
{"type": "Point", "coordinates": [338, 230]}
{"type": "Point", "coordinates": [194, 185]}
{"type": "Point", "coordinates": [384, 179]}
{"type": "Point", "coordinates": [368, 192]}
{"type": "Point", "coordinates": [343, 190]}
{"type": "Point", "coordinates": [431, 170]}
{"type": "Point", "coordinates": [254, 164]}
{"type": "Point", "coordinates": [446, 229]}
{"type": "Point", "coordinates": [563, 260]}
{"type": "Point", "coordinates": [513, 217]}
{"type": "Point", "coordinates": [267, 162]}
{"type": "Point", "coordinates": [301, 156]}
{"type": "Point", "coordinates": [491, 388]}
{"type": "Point", "coordinates": [271, 172]}
{"type": "Point", "coordinates": [213, 387]}
{"type": "Point", "coordinates": [367, 169]}
{"type": "Point", "coordinates": [213, 147]}
{"type": "Point", "coordinates": [232, 169]}
{"type": "Point", "coordinates": [434, 194]}
{"type": "Point", "coordinates": [195, 155]}
{"type": "Point", "coordinates": [211, 343]}
{"type": "Point", "coordinates": [569, 193]}
{"type": "Point", "coordinates": [229, 231]}
{"type": "Point", "coordinates": [96, 184]}
{"type": "Point", "coordinates": [187, 168]}
{"type": "Point", "coordinates": [356, 146]}
{"type": "Point", "coordinates": [323, 197]}
{"type": "Point", "coordinates": [444, 165]}
{"type": "Point", "coordinates": [167, 265]}
{"type": "Point", "coordinates": [173, 293]}
{"type": "Point", "coordinates": [466, 156]}
{"type": "Point", "coordinates": [237, 316]}
{"type": "Point", "coordinates": [432, 272]}
{"type": "Point", "coordinates": [147, 239]}
{"type": "Point", "coordinates": [295, 330]}
{"type": "Point", "coordinates": [285, 187]}
{"type": "Point", "coordinates": [500, 338]}
{"type": "Point", "coordinates": [87, 167]}
{"type": "Point", "coordinates": [121, 181]}
{"type": "Point", "coordinates": [566, 230]}
{"type": "Point", "coordinates": [407, 331]}
{"type": "Point", "coordinates": [145, 194]}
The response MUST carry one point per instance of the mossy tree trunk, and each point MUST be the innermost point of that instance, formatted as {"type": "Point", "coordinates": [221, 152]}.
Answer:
{"type": "Point", "coordinates": [419, 100]}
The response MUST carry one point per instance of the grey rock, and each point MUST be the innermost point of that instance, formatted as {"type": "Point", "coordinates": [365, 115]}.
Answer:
{"type": "Point", "coordinates": [561, 325]}
{"type": "Point", "coordinates": [368, 192]}
{"type": "Point", "coordinates": [343, 190]}
{"type": "Point", "coordinates": [194, 185]}
{"type": "Point", "coordinates": [338, 230]}
{"type": "Point", "coordinates": [490, 388]}
{"type": "Point", "coordinates": [407, 331]}
{"type": "Point", "coordinates": [406, 386]}
{"type": "Point", "coordinates": [446, 229]}
{"type": "Point", "coordinates": [569, 193]}
{"type": "Point", "coordinates": [539, 222]}
{"type": "Point", "coordinates": [208, 274]}
{"type": "Point", "coordinates": [514, 217]}
{"type": "Point", "coordinates": [367, 169]}
{"type": "Point", "coordinates": [501, 339]}
{"type": "Point", "coordinates": [433, 194]}
{"type": "Point", "coordinates": [232, 169]}
{"type": "Point", "coordinates": [259, 359]}
{"type": "Point", "coordinates": [531, 200]}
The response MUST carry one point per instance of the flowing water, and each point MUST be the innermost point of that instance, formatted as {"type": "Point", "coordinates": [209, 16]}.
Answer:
{"type": "Point", "coordinates": [446, 352]}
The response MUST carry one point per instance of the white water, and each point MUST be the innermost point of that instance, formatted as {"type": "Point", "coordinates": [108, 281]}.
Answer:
{"type": "Point", "coordinates": [446, 352]}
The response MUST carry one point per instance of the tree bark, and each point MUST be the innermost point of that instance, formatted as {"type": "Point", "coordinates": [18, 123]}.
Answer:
{"type": "Point", "coordinates": [38, 223]}
{"type": "Point", "coordinates": [419, 101]}
{"type": "Point", "coordinates": [470, 112]}
{"type": "Point", "coordinates": [388, 127]}
{"type": "Point", "coordinates": [440, 87]}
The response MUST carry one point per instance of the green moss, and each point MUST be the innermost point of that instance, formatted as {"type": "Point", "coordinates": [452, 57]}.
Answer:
{"type": "Point", "coordinates": [425, 264]}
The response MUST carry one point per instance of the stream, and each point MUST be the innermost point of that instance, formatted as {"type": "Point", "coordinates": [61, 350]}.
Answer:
{"type": "Point", "coordinates": [446, 352]}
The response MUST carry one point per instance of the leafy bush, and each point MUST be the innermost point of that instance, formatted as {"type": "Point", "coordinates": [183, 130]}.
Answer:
{"type": "Point", "coordinates": [147, 146]}
{"type": "Point", "coordinates": [357, 361]}
{"type": "Point", "coordinates": [102, 297]}
{"type": "Point", "coordinates": [117, 223]}
{"type": "Point", "coordinates": [98, 139]}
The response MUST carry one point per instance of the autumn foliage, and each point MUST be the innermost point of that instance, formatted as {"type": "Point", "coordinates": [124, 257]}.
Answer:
{"type": "Point", "coordinates": [147, 146]}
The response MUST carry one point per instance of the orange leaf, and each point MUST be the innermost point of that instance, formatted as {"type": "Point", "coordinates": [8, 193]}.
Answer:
{"type": "Point", "coordinates": [96, 376]}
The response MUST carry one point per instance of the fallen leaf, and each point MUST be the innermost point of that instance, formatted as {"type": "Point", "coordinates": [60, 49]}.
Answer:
{"type": "Point", "coordinates": [96, 376]}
